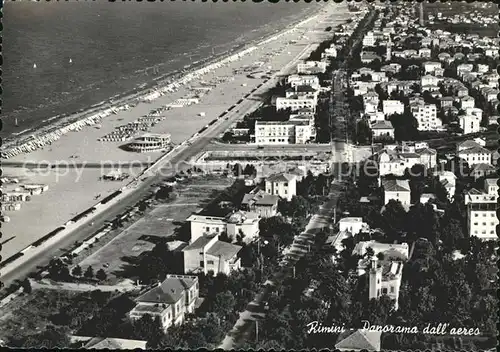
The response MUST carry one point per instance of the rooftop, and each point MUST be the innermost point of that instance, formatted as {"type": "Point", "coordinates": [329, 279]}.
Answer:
{"type": "Point", "coordinates": [281, 177]}
{"type": "Point", "coordinates": [396, 186]}
{"type": "Point", "coordinates": [224, 249]}
{"type": "Point", "coordinates": [170, 290]}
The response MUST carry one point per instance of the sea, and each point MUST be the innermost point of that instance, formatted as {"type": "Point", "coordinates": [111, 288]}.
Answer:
{"type": "Point", "coordinates": [63, 57]}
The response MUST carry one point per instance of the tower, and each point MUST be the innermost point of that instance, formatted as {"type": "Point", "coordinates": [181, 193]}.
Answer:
{"type": "Point", "coordinates": [375, 280]}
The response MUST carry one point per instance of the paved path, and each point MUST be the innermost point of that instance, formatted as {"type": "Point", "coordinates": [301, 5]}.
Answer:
{"type": "Point", "coordinates": [71, 286]}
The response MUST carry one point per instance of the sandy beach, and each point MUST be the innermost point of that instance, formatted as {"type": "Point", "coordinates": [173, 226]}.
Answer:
{"type": "Point", "coordinates": [73, 190]}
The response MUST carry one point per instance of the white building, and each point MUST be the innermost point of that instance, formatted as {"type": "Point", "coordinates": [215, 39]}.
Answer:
{"type": "Point", "coordinates": [382, 129]}
{"type": "Point", "coordinates": [390, 107]}
{"type": "Point", "coordinates": [426, 116]}
{"type": "Point", "coordinates": [170, 300]}
{"type": "Point", "coordinates": [282, 184]}
{"type": "Point", "coordinates": [467, 102]}
{"type": "Point", "coordinates": [385, 279]}
{"type": "Point", "coordinates": [150, 142]}
{"type": "Point", "coordinates": [429, 80]}
{"type": "Point", "coordinates": [312, 67]}
{"type": "Point", "coordinates": [481, 210]}
{"type": "Point", "coordinates": [448, 180]}
{"type": "Point", "coordinates": [395, 162]}
{"type": "Point", "coordinates": [296, 103]}
{"type": "Point", "coordinates": [475, 155]}
{"type": "Point", "coordinates": [469, 123]}
{"type": "Point", "coordinates": [234, 223]}
{"type": "Point", "coordinates": [303, 80]}
{"type": "Point", "coordinates": [398, 190]}
{"type": "Point", "coordinates": [297, 130]}
{"type": "Point", "coordinates": [207, 253]}
{"type": "Point", "coordinates": [352, 225]}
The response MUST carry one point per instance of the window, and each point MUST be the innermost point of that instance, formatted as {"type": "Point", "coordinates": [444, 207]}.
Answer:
{"type": "Point", "coordinates": [217, 229]}
{"type": "Point", "coordinates": [286, 184]}
{"type": "Point", "coordinates": [210, 262]}
{"type": "Point", "coordinates": [392, 289]}
{"type": "Point", "coordinates": [208, 229]}
{"type": "Point", "coordinates": [384, 291]}
{"type": "Point", "coordinates": [202, 264]}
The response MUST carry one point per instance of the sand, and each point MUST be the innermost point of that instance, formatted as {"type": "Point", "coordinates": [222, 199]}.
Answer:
{"type": "Point", "coordinates": [75, 191]}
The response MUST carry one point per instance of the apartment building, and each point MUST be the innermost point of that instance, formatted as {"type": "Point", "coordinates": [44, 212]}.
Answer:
{"type": "Point", "coordinates": [303, 80]}
{"type": "Point", "coordinates": [426, 116]}
{"type": "Point", "coordinates": [169, 300]}
{"type": "Point", "coordinates": [311, 67]}
{"type": "Point", "coordinates": [481, 210]}
{"type": "Point", "coordinates": [233, 223]}
{"type": "Point", "coordinates": [296, 102]}
{"type": "Point", "coordinates": [297, 131]}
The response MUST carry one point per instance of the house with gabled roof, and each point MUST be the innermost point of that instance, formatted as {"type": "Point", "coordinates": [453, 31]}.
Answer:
{"type": "Point", "coordinates": [169, 300]}
{"type": "Point", "coordinates": [282, 184]}
{"type": "Point", "coordinates": [207, 253]}
{"type": "Point", "coordinates": [397, 190]}
{"type": "Point", "coordinates": [260, 202]}
{"type": "Point", "coordinates": [358, 340]}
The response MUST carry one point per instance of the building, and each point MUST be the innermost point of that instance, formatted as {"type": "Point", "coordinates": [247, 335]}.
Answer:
{"type": "Point", "coordinates": [382, 129]}
{"type": "Point", "coordinates": [429, 80]}
{"type": "Point", "coordinates": [260, 202]}
{"type": "Point", "coordinates": [448, 180]}
{"type": "Point", "coordinates": [207, 253]}
{"type": "Point", "coordinates": [469, 123]}
{"type": "Point", "coordinates": [430, 67]}
{"type": "Point", "coordinates": [293, 131]}
{"type": "Point", "coordinates": [149, 142]}
{"type": "Point", "coordinates": [385, 279]}
{"type": "Point", "coordinates": [169, 300]}
{"type": "Point", "coordinates": [282, 184]}
{"type": "Point", "coordinates": [311, 67]}
{"type": "Point", "coordinates": [303, 80]}
{"type": "Point", "coordinates": [475, 155]}
{"type": "Point", "coordinates": [353, 225]}
{"type": "Point", "coordinates": [358, 340]}
{"type": "Point", "coordinates": [398, 190]}
{"type": "Point", "coordinates": [483, 170]}
{"type": "Point", "coordinates": [426, 116]}
{"type": "Point", "coordinates": [481, 210]}
{"type": "Point", "coordinates": [396, 161]}
{"type": "Point", "coordinates": [467, 102]}
{"type": "Point", "coordinates": [390, 107]}
{"type": "Point", "coordinates": [233, 223]}
{"type": "Point", "coordinates": [296, 103]}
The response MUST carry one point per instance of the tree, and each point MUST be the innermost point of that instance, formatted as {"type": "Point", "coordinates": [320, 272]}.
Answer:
{"type": "Point", "coordinates": [101, 275]}
{"type": "Point", "coordinates": [237, 169]}
{"type": "Point", "coordinates": [149, 329]}
{"type": "Point", "coordinates": [89, 273]}
{"type": "Point", "coordinates": [52, 337]}
{"type": "Point", "coordinates": [249, 170]}
{"type": "Point", "coordinates": [58, 270]}
{"type": "Point", "coordinates": [223, 305]}
{"type": "Point", "coordinates": [77, 271]}
{"type": "Point", "coordinates": [26, 284]}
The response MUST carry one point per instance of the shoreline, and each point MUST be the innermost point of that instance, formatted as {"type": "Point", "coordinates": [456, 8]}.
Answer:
{"type": "Point", "coordinates": [26, 142]}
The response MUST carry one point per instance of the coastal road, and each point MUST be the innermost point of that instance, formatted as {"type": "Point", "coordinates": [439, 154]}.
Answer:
{"type": "Point", "coordinates": [179, 161]}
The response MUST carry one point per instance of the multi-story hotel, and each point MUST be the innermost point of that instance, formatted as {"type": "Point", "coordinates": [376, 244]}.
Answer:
{"type": "Point", "coordinates": [298, 131]}
{"type": "Point", "coordinates": [481, 210]}
{"type": "Point", "coordinates": [426, 116]}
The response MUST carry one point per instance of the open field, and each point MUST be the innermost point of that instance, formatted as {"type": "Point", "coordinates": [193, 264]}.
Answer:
{"type": "Point", "coordinates": [159, 222]}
